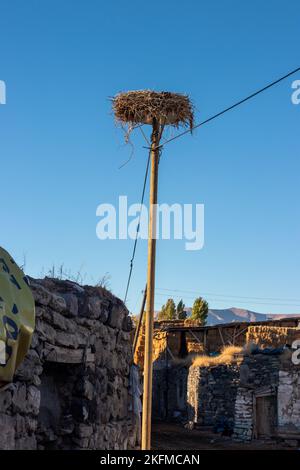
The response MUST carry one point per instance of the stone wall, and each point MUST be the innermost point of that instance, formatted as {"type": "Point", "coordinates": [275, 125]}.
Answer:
{"type": "Point", "coordinates": [71, 392]}
{"type": "Point", "coordinates": [243, 415]}
{"type": "Point", "coordinates": [211, 393]}
{"type": "Point", "coordinates": [289, 400]}
{"type": "Point", "coordinates": [259, 376]}
{"type": "Point", "coordinates": [268, 399]}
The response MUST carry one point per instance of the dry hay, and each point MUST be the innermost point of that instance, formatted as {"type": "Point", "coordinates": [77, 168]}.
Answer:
{"type": "Point", "coordinates": [271, 336]}
{"type": "Point", "coordinates": [195, 348]}
{"type": "Point", "coordinates": [229, 355]}
{"type": "Point", "coordinates": [142, 106]}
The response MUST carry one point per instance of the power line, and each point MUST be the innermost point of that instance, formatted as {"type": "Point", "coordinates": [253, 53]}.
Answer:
{"type": "Point", "coordinates": [228, 295]}
{"type": "Point", "coordinates": [240, 301]}
{"type": "Point", "coordinates": [182, 134]}
{"type": "Point", "coordinates": [235, 105]}
{"type": "Point", "coordinates": [139, 222]}
{"type": "Point", "coordinates": [138, 227]}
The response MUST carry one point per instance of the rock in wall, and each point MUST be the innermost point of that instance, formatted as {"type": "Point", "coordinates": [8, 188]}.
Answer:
{"type": "Point", "coordinates": [72, 389]}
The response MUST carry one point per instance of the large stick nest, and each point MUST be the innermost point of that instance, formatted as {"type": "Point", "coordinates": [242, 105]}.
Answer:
{"type": "Point", "coordinates": [143, 106]}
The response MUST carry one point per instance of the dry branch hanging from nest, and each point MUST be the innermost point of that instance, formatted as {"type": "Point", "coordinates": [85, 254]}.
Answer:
{"type": "Point", "coordinates": [142, 106]}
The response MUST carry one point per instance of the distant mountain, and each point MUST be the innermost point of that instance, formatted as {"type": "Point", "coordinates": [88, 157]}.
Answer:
{"type": "Point", "coordinates": [229, 315]}
{"type": "Point", "coordinates": [279, 316]}
{"type": "Point", "coordinates": [233, 314]}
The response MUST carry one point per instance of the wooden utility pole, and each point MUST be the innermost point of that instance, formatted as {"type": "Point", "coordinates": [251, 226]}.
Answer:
{"type": "Point", "coordinates": [148, 361]}
{"type": "Point", "coordinates": [159, 109]}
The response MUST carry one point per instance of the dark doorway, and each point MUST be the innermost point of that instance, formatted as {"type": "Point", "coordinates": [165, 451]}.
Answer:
{"type": "Point", "coordinates": [183, 351]}
{"type": "Point", "coordinates": [266, 415]}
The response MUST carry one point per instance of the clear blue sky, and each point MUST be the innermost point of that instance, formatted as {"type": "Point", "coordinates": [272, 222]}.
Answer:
{"type": "Point", "coordinates": [60, 150]}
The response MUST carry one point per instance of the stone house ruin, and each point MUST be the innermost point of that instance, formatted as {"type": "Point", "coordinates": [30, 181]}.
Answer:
{"type": "Point", "coordinates": [255, 396]}
{"type": "Point", "coordinates": [71, 392]}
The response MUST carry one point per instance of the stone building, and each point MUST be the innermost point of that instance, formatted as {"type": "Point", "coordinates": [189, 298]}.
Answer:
{"type": "Point", "coordinates": [257, 395]}
{"type": "Point", "coordinates": [267, 403]}
{"type": "Point", "coordinates": [71, 392]}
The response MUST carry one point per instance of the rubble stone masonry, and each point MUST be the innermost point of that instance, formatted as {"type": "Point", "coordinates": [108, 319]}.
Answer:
{"type": "Point", "coordinates": [71, 392]}
{"type": "Point", "coordinates": [289, 400]}
{"type": "Point", "coordinates": [211, 395]}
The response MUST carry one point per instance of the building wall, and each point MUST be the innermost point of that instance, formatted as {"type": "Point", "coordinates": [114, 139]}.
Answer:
{"type": "Point", "coordinates": [268, 377]}
{"type": "Point", "coordinates": [72, 389]}
{"type": "Point", "coordinates": [289, 399]}
{"type": "Point", "coordinates": [272, 336]}
{"type": "Point", "coordinates": [211, 393]}
{"type": "Point", "coordinates": [259, 376]}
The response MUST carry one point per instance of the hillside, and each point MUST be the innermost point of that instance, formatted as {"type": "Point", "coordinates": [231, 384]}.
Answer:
{"type": "Point", "coordinates": [233, 314]}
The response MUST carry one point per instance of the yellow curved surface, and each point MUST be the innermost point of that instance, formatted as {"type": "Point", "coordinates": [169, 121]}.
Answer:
{"type": "Point", "coordinates": [17, 316]}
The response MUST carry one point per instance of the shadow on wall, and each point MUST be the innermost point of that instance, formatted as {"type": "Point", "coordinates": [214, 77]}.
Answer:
{"type": "Point", "coordinates": [62, 405]}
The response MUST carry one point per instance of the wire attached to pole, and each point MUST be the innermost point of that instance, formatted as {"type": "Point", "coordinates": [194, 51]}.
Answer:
{"type": "Point", "coordinates": [160, 146]}
{"type": "Point", "coordinates": [235, 105]}
{"type": "Point", "coordinates": [138, 227]}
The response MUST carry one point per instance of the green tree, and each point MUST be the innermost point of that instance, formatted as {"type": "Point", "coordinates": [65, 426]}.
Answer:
{"type": "Point", "coordinates": [180, 312]}
{"type": "Point", "coordinates": [168, 311]}
{"type": "Point", "coordinates": [200, 310]}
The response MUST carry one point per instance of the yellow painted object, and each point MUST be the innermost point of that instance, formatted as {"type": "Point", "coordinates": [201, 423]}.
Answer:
{"type": "Point", "coordinates": [17, 316]}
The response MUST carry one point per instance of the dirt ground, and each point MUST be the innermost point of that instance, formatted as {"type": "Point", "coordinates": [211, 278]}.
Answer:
{"type": "Point", "coordinates": [169, 436]}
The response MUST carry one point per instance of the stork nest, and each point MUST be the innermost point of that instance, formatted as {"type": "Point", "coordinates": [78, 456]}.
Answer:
{"type": "Point", "coordinates": [143, 106]}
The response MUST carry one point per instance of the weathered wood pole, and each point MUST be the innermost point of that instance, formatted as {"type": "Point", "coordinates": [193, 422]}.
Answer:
{"type": "Point", "coordinates": [148, 361]}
